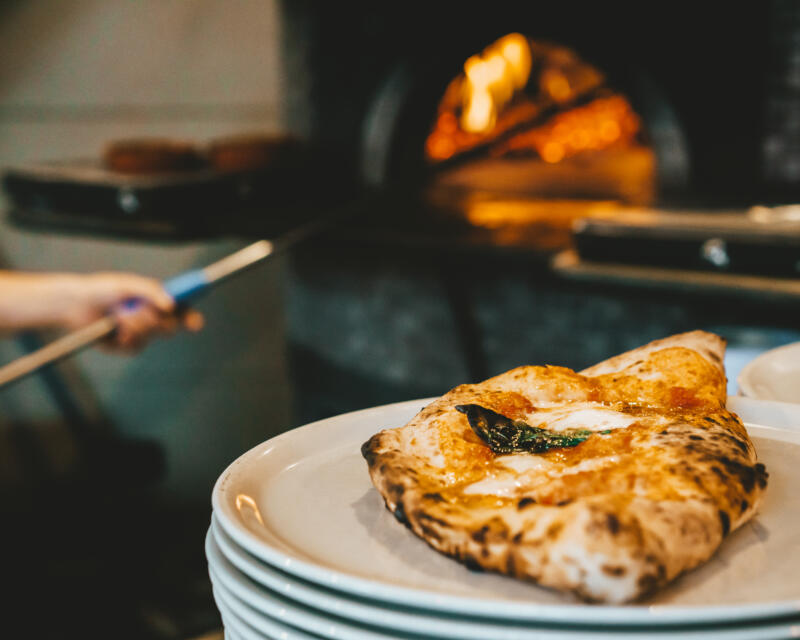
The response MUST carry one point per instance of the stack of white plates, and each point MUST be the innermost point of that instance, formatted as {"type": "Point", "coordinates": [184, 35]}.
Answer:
{"type": "Point", "coordinates": [301, 546]}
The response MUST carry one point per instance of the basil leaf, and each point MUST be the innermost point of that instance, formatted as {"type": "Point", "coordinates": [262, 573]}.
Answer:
{"type": "Point", "coordinates": [504, 435]}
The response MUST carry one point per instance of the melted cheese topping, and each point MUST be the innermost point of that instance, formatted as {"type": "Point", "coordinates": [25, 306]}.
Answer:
{"type": "Point", "coordinates": [507, 484]}
{"type": "Point", "coordinates": [584, 415]}
{"type": "Point", "coordinates": [500, 487]}
{"type": "Point", "coordinates": [522, 463]}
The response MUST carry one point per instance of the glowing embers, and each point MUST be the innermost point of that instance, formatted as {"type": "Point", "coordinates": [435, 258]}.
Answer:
{"type": "Point", "coordinates": [539, 224]}
{"type": "Point", "coordinates": [600, 124]}
{"type": "Point", "coordinates": [522, 96]}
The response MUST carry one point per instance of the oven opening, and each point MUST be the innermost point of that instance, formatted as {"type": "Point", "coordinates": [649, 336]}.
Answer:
{"type": "Point", "coordinates": [528, 136]}
{"type": "Point", "coordinates": [529, 133]}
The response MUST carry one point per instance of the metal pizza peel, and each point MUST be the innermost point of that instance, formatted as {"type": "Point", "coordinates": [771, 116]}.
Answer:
{"type": "Point", "coordinates": [184, 288]}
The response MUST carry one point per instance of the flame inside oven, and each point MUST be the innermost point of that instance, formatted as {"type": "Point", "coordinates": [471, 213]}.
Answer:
{"type": "Point", "coordinates": [529, 137]}
{"type": "Point", "coordinates": [532, 119]}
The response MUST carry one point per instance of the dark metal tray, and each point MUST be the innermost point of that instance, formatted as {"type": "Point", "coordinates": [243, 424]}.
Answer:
{"type": "Point", "coordinates": [759, 241]}
{"type": "Point", "coordinates": [81, 196]}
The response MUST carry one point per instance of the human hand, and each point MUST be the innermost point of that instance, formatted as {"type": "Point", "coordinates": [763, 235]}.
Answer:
{"type": "Point", "coordinates": [141, 306]}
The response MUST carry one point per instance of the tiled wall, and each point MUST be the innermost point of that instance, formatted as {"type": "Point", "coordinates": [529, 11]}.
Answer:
{"type": "Point", "coordinates": [75, 75]}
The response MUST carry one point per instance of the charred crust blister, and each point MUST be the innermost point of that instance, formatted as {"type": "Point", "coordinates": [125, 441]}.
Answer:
{"type": "Point", "coordinates": [720, 473]}
{"type": "Point", "coordinates": [436, 497]}
{"type": "Point", "coordinates": [395, 490]}
{"type": "Point", "coordinates": [748, 476]}
{"type": "Point", "coordinates": [511, 565]}
{"type": "Point", "coordinates": [525, 502]}
{"type": "Point", "coordinates": [615, 571]}
{"type": "Point", "coordinates": [479, 536]}
{"type": "Point", "coordinates": [437, 521]}
{"type": "Point", "coordinates": [725, 522]}
{"type": "Point", "coordinates": [368, 451]}
{"type": "Point", "coordinates": [740, 444]}
{"type": "Point", "coordinates": [472, 564]}
{"type": "Point", "coordinates": [430, 532]}
{"type": "Point", "coordinates": [400, 514]}
{"type": "Point", "coordinates": [761, 475]}
{"type": "Point", "coordinates": [649, 582]}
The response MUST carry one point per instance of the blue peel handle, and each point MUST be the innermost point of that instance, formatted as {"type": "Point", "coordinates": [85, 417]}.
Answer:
{"type": "Point", "coordinates": [187, 285]}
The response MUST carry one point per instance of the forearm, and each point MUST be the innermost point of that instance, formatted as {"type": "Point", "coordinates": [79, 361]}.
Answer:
{"type": "Point", "coordinates": [71, 300]}
{"type": "Point", "coordinates": [36, 301]}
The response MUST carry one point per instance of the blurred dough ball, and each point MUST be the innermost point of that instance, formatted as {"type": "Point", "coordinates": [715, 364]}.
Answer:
{"type": "Point", "coordinates": [249, 151]}
{"type": "Point", "coordinates": [152, 155]}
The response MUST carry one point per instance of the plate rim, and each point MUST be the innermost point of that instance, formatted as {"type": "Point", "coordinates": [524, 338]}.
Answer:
{"type": "Point", "coordinates": [617, 615]}
{"type": "Point", "coordinates": [743, 379]}
{"type": "Point", "coordinates": [225, 607]}
{"type": "Point", "coordinates": [752, 631]}
{"type": "Point", "coordinates": [292, 614]}
{"type": "Point", "coordinates": [410, 618]}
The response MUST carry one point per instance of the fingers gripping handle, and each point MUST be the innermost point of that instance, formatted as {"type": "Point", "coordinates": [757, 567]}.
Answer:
{"type": "Point", "coordinates": [183, 288]}
{"type": "Point", "coordinates": [187, 286]}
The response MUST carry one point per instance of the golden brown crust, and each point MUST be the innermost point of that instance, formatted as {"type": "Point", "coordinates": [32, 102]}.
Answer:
{"type": "Point", "coordinates": [610, 519]}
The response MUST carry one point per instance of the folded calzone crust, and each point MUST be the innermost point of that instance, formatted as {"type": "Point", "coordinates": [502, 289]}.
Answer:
{"type": "Point", "coordinates": [607, 483]}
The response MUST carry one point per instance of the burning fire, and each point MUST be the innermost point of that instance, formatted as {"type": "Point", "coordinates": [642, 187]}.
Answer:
{"type": "Point", "coordinates": [491, 79]}
{"type": "Point", "coordinates": [521, 96]}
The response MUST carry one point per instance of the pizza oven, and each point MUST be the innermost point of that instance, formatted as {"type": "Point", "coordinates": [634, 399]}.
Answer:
{"type": "Point", "coordinates": [484, 130]}
{"type": "Point", "coordinates": [514, 103]}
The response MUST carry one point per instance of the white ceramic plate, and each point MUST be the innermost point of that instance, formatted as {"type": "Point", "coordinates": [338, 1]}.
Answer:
{"type": "Point", "coordinates": [782, 415]}
{"type": "Point", "coordinates": [351, 608]}
{"type": "Point", "coordinates": [333, 602]}
{"type": "Point", "coordinates": [249, 607]}
{"type": "Point", "coordinates": [238, 626]}
{"type": "Point", "coordinates": [234, 628]}
{"type": "Point", "coordinates": [253, 595]}
{"type": "Point", "coordinates": [303, 502]}
{"type": "Point", "coordinates": [774, 375]}
{"type": "Point", "coordinates": [252, 601]}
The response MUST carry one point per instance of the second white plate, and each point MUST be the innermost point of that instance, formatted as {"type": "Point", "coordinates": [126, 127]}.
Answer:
{"type": "Point", "coordinates": [774, 375]}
